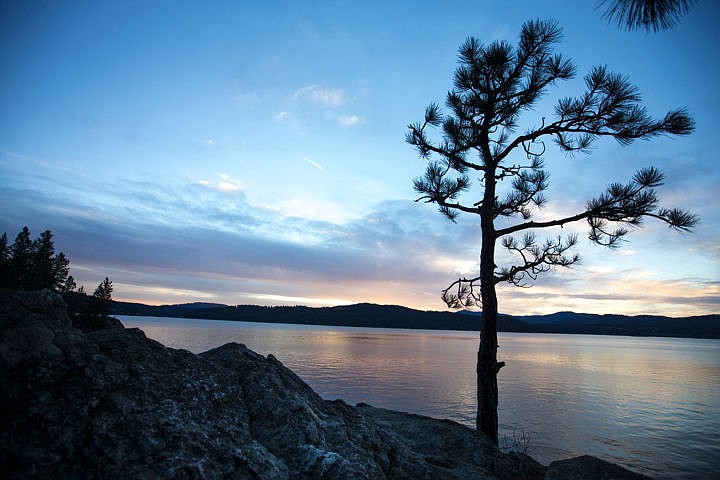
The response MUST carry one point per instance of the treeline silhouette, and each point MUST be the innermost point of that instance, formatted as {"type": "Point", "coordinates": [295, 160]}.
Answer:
{"type": "Point", "coordinates": [358, 315]}
{"type": "Point", "coordinates": [33, 265]}
{"type": "Point", "coordinates": [393, 316]}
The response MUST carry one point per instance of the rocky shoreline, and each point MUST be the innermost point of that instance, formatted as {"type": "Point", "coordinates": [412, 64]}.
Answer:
{"type": "Point", "coordinates": [87, 398]}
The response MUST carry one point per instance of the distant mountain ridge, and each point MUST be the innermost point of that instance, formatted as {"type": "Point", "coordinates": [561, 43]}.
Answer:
{"type": "Point", "coordinates": [393, 316]}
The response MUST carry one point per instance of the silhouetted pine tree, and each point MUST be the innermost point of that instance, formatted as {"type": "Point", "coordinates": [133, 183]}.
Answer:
{"type": "Point", "coordinates": [43, 253]}
{"type": "Point", "coordinates": [102, 298]}
{"type": "Point", "coordinates": [69, 286]}
{"type": "Point", "coordinates": [21, 260]}
{"type": "Point", "coordinates": [60, 272]}
{"type": "Point", "coordinates": [494, 85]}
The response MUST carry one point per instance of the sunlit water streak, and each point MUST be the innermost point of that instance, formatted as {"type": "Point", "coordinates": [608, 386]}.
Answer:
{"type": "Point", "coordinates": [651, 404]}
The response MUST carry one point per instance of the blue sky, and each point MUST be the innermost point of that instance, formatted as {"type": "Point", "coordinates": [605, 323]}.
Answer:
{"type": "Point", "coordinates": [224, 152]}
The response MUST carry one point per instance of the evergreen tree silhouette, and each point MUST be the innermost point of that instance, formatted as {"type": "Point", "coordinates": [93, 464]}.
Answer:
{"type": "Point", "coordinates": [493, 85]}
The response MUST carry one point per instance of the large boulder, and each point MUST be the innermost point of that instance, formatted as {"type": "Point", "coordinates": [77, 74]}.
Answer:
{"type": "Point", "coordinates": [93, 400]}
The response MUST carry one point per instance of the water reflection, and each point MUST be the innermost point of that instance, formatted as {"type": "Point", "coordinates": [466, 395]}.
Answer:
{"type": "Point", "coordinates": [650, 404]}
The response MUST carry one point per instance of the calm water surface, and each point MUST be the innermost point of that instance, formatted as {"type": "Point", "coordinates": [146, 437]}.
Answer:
{"type": "Point", "coordinates": [651, 404]}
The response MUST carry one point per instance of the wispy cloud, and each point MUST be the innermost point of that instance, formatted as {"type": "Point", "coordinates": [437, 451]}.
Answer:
{"type": "Point", "coordinates": [349, 120]}
{"type": "Point", "coordinates": [225, 183]}
{"type": "Point", "coordinates": [171, 294]}
{"type": "Point", "coordinates": [299, 300]}
{"type": "Point", "coordinates": [281, 116]}
{"type": "Point", "coordinates": [327, 97]}
{"type": "Point", "coordinates": [236, 246]}
{"type": "Point", "coordinates": [207, 239]}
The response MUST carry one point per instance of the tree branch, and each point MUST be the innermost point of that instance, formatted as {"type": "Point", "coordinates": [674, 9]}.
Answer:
{"type": "Point", "coordinates": [463, 293]}
{"type": "Point", "coordinates": [536, 259]}
{"type": "Point", "coordinates": [621, 204]}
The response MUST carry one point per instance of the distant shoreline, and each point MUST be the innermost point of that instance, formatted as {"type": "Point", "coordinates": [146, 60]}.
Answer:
{"type": "Point", "coordinates": [389, 316]}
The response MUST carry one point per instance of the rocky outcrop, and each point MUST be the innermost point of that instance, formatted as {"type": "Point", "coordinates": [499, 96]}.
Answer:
{"type": "Point", "coordinates": [95, 400]}
{"type": "Point", "coordinates": [588, 468]}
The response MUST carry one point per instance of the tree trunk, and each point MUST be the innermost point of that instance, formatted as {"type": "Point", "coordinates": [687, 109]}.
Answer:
{"type": "Point", "coordinates": [487, 364]}
{"type": "Point", "coordinates": [488, 368]}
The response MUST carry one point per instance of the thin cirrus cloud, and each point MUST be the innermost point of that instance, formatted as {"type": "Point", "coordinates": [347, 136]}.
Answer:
{"type": "Point", "coordinates": [226, 183]}
{"type": "Point", "coordinates": [207, 239]}
{"type": "Point", "coordinates": [326, 97]}
{"type": "Point", "coordinates": [199, 234]}
{"type": "Point", "coordinates": [613, 294]}
{"type": "Point", "coordinates": [281, 116]}
{"type": "Point", "coordinates": [242, 253]}
{"type": "Point", "coordinates": [349, 120]}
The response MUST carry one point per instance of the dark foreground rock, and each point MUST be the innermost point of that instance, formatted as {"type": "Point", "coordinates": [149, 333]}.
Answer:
{"type": "Point", "coordinates": [95, 400]}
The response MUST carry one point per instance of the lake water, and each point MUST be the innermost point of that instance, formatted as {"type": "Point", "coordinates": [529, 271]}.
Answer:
{"type": "Point", "coordinates": [650, 404]}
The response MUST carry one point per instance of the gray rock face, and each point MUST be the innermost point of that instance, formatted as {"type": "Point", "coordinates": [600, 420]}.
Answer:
{"type": "Point", "coordinates": [589, 468]}
{"type": "Point", "coordinates": [99, 401]}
